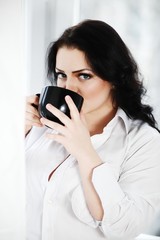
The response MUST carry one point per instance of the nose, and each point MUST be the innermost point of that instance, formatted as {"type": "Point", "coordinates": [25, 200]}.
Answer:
{"type": "Point", "coordinates": [71, 84]}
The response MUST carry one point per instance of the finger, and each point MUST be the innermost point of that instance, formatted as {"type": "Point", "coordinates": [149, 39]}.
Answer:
{"type": "Point", "coordinates": [57, 137]}
{"type": "Point", "coordinates": [56, 126]}
{"type": "Point", "coordinates": [82, 116]}
{"type": "Point", "coordinates": [60, 115]}
{"type": "Point", "coordinates": [31, 109]}
{"type": "Point", "coordinates": [33, 100]}
{"type": "Point", "coordinates": [35, 124]}
{"type": "Point", "coordinates": [74, 113]}
{"type": "Point", "coordinates": [33, 120]}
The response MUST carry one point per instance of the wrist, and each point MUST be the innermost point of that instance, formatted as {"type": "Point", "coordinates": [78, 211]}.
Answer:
{"type": "Point", "coordinates": [87, 162]}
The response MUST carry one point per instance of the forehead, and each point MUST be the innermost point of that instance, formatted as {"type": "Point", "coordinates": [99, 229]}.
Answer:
{"type": "Point", "coordinates": [70, 58]}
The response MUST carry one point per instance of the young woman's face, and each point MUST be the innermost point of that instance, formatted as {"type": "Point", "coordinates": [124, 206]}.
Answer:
{"type": "Point", "coordinates": [75, 74]}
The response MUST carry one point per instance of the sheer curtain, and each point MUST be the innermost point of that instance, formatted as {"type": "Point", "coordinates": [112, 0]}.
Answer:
{"type": "Point", "coordinates": [12, 183]}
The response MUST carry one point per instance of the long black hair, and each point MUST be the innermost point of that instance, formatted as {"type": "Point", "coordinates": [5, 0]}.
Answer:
{"type": "Point", "coordinates": [111, 60]}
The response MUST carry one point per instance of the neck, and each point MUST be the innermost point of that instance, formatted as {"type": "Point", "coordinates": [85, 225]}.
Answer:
{"type": "Point", "coordinates": [96, 125]}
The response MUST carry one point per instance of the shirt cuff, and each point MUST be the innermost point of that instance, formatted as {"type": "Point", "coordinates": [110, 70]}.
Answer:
{"type": "Point", "coordinates": [80, 208]}
{"type": "Point", "coordinates": [105, 181]}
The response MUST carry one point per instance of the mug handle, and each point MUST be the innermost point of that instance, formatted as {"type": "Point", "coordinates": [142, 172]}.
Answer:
{"type": "Point", "coordinates": [34, 105]}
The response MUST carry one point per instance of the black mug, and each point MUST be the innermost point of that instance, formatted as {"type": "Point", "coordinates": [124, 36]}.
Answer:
{"type": "Point", "coordinates": [56, 96]}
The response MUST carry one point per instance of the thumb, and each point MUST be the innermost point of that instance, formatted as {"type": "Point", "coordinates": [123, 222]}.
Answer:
{"type": "Point", "coordinates": [83, 119]}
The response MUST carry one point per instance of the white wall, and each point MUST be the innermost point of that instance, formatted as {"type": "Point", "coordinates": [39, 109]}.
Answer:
{"type": "Point", "coordinates": [12, 173]}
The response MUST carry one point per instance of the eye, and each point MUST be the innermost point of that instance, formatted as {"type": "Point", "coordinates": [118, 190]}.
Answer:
{"type": "Point", "coordinates": [85, 76]}
{"type": "Point", "coordinates": [60, 75]}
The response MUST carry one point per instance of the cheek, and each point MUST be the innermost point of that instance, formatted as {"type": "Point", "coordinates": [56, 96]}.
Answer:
{"type": "Point", "coordinates": [97, 91]}
{"type": "Point", "coordinates": [60, 83]}
{"type": "Point", "coordinates": [95, 96]}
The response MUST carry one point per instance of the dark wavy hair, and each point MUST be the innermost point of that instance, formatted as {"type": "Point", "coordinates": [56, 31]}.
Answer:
{"type": "Point", "coordinates": [111, 60]}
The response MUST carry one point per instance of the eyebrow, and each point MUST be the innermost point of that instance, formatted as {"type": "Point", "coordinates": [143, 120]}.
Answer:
{"type": "Point", "coordinates": [76, 71]}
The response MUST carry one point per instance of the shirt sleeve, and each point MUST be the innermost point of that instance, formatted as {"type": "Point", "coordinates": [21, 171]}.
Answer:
{"type": "Point", "coordinates": [130, 201]}
{"type": "Point", "coordinates": [34, 135]}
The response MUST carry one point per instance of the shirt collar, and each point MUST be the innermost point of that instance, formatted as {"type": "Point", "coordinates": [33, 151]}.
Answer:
{"type": "Point", "coordinates": [101, 138]}
{"type": "Point", "coordinates": [120, 114]}
{"type": "Point", "coordinates": [126, 120]}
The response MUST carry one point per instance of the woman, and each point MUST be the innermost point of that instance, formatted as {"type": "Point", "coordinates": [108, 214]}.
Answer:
{"type": "Point", "coordinates": [99, 177]}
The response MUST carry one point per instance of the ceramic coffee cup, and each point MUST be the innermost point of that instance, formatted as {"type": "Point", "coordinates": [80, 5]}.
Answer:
{"type": "Point", "coordinates": [56, 96]}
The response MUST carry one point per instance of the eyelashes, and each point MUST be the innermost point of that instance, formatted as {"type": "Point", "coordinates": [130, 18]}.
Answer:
{"type": "Point", "coordinates": [85, 76]}
{"type": "Point", "coordinates": [81, 76]}
{"type": "Point", "coordinates": [60, 75]}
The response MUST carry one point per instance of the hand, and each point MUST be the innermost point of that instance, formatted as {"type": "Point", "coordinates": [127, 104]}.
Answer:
{"type": "Point", "coordinates": [74, 135]}
{"type": "Point", "coordinates": [32, 117]}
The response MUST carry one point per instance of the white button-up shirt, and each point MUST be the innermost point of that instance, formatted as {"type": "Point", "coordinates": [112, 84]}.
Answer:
{"type": "Point", "coordinates": [128, 184]}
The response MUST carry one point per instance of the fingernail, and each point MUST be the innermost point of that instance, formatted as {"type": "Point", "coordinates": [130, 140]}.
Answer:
{"type": "Point", "coordinates": [48, 105]}
{"type": "Point", "coordinates": [42, 120]}
{"type": "Point", "coordinates": [67, 97]}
